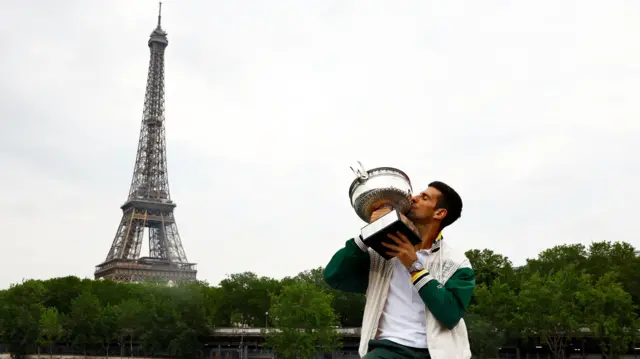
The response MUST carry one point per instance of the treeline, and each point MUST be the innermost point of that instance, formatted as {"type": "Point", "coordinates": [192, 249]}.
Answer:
{"type": "Point", "coordinates": [566, 292]}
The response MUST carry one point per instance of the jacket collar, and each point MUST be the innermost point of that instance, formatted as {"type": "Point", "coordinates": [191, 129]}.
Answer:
{"type": "Point", "coordinates": [436, 244]}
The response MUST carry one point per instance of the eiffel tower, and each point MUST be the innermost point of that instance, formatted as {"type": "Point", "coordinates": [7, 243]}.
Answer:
{"type": "Point", "coordinates": [149, 205]}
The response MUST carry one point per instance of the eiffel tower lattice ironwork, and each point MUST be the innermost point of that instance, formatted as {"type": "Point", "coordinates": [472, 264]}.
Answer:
{"type": "Point", "coordinates": [149, 204]}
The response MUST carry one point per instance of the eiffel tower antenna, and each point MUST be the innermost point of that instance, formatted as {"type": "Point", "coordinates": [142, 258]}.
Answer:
{"type": "Point", "coordinates": [159, 14]}
{"type": "Point", "coordinates": [149, 205]}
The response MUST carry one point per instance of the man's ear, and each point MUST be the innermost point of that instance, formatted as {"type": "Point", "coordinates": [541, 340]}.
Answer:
{"type": "Point", "coordinates": [440, 213]}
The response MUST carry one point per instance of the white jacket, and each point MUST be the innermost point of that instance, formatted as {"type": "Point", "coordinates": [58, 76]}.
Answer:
{"type": "Point", "coordinates": [443, 343]}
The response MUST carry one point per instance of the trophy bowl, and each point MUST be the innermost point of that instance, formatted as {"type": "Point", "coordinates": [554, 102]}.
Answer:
{"type": "Point", "coordinates": [379, 184]}
{"type": "Point", "coordinates": [368, 192]}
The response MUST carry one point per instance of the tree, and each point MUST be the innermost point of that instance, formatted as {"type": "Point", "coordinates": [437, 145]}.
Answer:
{"type": "Point", "coordinates": [305, 322]}
{"type": "Point", "coordinates": [558, 258]}
{"type": "Point", "coordinates": [246, 299]}
{"type": "Point", "coordinates": [214, 301]}
{"type": "Point", "coordinates": [620, 258]}
{"type": "Point", "coordinates": [349, 307]}
{"type": "Point", "coordinates": [491, 318]}
{"type": "Point", "coordinates": [130, 314]}
{"type": "Point", "coordinates": [60, 292]}
{"type": "Point", "coordinates": [20, 313]}
{"type": "Point", "coordinates": [554, 307]}
{"type": "Point", "coordinates": [613, 316]}
{"type": "Point", "coordinates": [484, 338]}
{"type": "Point", "coordinates": [50, 329]}
{"type": "Point", "coordinates": [489, 266]}
{"type": "Point", "coordinates": [157, 319]}
{"type": "Point", "coordinates": [107, 326]}
{"type": "Point", "coordinates": [83, 320]}
{"type": "Point", "coordinates": [110, 292]}
{"type": "Point", "coordinates": [193, 319]}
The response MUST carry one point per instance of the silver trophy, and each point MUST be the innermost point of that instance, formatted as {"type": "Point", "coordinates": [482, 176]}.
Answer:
{"type": "Point", "coordinates": [377, 188]}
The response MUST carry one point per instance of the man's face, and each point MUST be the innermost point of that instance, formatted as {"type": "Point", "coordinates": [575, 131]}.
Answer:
{"type": "Point", "coordinates": [423, 207]}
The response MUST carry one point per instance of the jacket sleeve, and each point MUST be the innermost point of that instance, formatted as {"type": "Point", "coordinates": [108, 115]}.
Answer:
{"type": "Point", "coordinates": [447, 303]}
{"type": "Point", "coordinates": [348, 269]}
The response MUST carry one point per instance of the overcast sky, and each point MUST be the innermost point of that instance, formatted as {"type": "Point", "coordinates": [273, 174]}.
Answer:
{"type": "Point", "coordinates": [530, 109]}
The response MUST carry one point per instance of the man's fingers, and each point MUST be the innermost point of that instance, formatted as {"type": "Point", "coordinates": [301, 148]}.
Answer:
{"type": "Point", "coordinates": [391, 246]}
{"type": "Point", "coordinates": [395, 239]}
{"type": "Point", "coordinates": [400, 239]}
{"type": "Point", "coordinates": [403, 237]}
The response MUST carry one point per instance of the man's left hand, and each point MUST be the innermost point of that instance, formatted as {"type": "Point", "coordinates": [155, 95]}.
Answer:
{"type": "Point", "coordinates": [403, 249]}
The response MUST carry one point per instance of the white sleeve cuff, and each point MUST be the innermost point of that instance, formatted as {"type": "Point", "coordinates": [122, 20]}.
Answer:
{"type": "Point", "coordinates": [363, 247]}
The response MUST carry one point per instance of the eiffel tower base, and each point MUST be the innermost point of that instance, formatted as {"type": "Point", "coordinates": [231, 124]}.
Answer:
{"type": "Point", "coordinates": [146, 270]}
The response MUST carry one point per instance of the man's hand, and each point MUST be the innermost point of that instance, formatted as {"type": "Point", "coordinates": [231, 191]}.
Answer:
{"type": "Point", "coordinates": [403, 249]}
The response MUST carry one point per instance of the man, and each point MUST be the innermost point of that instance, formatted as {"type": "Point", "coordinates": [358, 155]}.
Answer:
{"type": "Point", "coordinates": [416, 300]}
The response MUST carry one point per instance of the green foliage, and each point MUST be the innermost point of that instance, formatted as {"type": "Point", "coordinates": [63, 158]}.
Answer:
{"type": "Point", "coordinates": [484, 336]}
{"type": "Point", "coordinates": [83, 321]}
{"type": "Point", "coordinates": [490, 266]}
{"type": "Point", "coordinates": [555, 307]}
{"type": "Point", "coordinates": [491, 318]}
{"type": "Point", "coordinates": [553, 298]}
{"type": "Point", "coordinates": [50, 328]}
{"type": "Point", "coordinates": [305, 322]}
{"type": "Point", "coordinates": [618, 258]}
{"type": "Point", "coordinates": [246, 299]}
{"type": "Point", "coordinates": [20, 313]}
{"type": "Point", "coordinates": [566, 292]}
{"type": "Point", "coordinates": [613, 319]}
{"type": "Point", "coordinates": [558, 258]}
{"type": "Point", "coordinates": [349, 307]}
{"type": "Point", "coordinates": [107, 326]}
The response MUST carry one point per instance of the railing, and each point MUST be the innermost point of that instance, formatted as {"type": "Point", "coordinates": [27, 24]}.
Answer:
{"type": "Point", "coordinates": [140, 265]}
{"type": "Point", "coordinates": [346, 332]}
{"type": "Point", "coordinates": [258, 332]}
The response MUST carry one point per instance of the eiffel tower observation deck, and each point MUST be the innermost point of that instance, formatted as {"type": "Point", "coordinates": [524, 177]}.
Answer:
{"type": "Point", "coordinates": [149, 208]}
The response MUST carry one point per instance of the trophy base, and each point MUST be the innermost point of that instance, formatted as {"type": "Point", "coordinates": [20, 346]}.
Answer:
{"type": "Point", "coordinates": [374, 234]}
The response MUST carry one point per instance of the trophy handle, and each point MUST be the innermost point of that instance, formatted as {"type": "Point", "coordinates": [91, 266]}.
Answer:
{"type": "Point", "coordinates": [360, 172]}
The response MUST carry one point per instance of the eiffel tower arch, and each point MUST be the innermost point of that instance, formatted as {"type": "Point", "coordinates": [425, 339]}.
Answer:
{"type": "Point", "coordinates": [149, 206]}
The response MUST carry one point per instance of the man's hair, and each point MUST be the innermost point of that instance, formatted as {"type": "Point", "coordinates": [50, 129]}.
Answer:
{"type": "Point", "coordinates": [449, 200]}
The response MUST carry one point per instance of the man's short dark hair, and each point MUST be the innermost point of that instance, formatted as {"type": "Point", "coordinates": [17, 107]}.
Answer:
{"type": "Point", "coordinates": [449, 200]}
